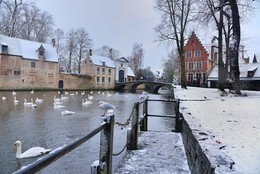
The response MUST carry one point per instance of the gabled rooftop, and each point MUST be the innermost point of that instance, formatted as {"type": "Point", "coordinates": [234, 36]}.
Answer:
{"type": "Point", "coordinates": [28, 49]}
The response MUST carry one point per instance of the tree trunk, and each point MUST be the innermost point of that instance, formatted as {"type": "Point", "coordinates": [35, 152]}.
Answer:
{"type": "Point", "coordinates": [221, 69]}
{"type": "Point", "coordinates": [234, 48]}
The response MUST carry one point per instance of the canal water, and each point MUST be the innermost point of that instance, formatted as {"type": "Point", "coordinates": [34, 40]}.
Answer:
{"type": "Point", "coordinates": [45, 126]}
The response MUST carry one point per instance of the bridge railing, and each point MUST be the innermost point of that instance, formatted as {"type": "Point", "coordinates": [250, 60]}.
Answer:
{"type": "Point", "coordinates": [140, 120]}
{"type": "Point", "coordinates": [103, 165]}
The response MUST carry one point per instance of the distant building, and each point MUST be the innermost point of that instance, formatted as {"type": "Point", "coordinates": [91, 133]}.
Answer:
{"type": "Point", "coordinates": [27, 64]}
{"type": "Point", "coordinates": [198, 62]}
{"type": "Point", "coordinates": [249, 74]}
{"type": "Point", "coordinates": [123, 71]}
{"type": "Point", "coordinates": [102, 69]}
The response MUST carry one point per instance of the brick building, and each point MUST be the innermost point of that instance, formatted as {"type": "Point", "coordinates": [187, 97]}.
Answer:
{"type": "Point", "coordinates": [197, 62]}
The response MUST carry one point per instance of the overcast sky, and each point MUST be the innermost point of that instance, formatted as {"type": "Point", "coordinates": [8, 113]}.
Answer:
{"type": "Point", "coordinates": [121, 23]}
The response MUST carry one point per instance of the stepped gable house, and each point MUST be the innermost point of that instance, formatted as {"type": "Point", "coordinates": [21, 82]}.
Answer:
{"type": "Point", "coordinates": [198, 62]}
{"type": "Point", "coordinates": [27, 65]}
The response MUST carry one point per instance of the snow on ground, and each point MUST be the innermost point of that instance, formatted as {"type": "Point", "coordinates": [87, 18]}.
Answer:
{"type": "Point", "coordinates": [158, 153]}
{"type": "Point", "coordinates": [232, 121]}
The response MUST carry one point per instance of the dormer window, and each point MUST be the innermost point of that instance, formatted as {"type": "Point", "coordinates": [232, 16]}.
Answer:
{"type": "Point", "coordinates": [41, 52]}
{"type": "Point", "coordinates": [103, 64]}
{"type": "Point", "coordinates": [4, 48]}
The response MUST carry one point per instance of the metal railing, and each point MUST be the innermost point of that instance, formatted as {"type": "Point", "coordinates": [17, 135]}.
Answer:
{"type": "Point", "coordinates": [140, 119]}
{"type": "Point", "coordinates": [104, 165]}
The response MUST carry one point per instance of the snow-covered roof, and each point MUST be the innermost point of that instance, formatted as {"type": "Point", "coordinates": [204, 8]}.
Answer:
{"type": "Point", "coordinates": [243, 68]}
{"type": "Point", "coordinates": [100, 61]}
{"type": "Point", "coordinates": [28, 49]}
{"type": "Point", "coordinates": [130, 72]}
{"type": "Point", "coordinates": [122, 59]}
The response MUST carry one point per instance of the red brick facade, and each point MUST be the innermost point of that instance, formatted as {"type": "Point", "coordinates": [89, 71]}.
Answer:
{"type": "Point", "coordinates": [197, 62]}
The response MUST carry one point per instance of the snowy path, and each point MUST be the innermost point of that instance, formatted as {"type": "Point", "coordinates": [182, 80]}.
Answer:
{"type": "Point", "coordinates": [158, 153]}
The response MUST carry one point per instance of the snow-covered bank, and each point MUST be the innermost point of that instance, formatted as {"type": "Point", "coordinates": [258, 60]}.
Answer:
{"type": "Point", "coordinates": [232, 122]}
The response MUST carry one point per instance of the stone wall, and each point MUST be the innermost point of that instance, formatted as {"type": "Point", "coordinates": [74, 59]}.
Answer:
{"type": "Point", "coordinates": [203, 160]}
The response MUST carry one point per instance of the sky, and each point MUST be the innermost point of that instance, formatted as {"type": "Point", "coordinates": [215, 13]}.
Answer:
{"type": "Point", "coordinates": [121, 23]}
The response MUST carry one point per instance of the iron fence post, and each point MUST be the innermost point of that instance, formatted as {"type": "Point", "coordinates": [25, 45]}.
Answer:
{"type": "Point", "coordinates": [144, 122]}
{"type": "Point", "coordinates": [178, 124]}
{"type": "Point", "coordinates": [132, 134]}
{"type": "Point", "coordinates": [106, 145]}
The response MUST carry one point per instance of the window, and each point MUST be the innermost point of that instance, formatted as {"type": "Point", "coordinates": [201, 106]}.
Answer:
{"type": "Point", "coordinates": [4, 49]}
{"type": "Point", "coordinates": [17, 73]}
{"type": "Point", "coordinates": [98, 70]}
{"type": "Point", "coordinates": [188, 54]}
{"type": "Point", "coordinates": [50, 78]}
{"type": "Point", "coordinates": [109, 71]}
{"type": "Point", "coordinates": [33, 64]}
{"type": "Point", "coordinates": [190, 65]}
{"type": "Point", "coordinates": [199, 65]}
{"type": "Point", "coordinates": [32, 76]}
{"type": "Point", "coordinates": [197, 53]}
{"type": "Point", "coordinates": [98, 80]}
{"type": "Point", "coordinates": [103, 71]}
{"type": "Point", "coordinates": [41, 52]}
{"type": "Point", "coordinates": [190, 77]}
{"type": "Point", "coordinates": [109, 80]}
{"type": "Point", "coordinates": [103, 80]}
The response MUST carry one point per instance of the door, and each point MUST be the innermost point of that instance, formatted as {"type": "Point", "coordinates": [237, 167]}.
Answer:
{"type": "Point", "coordinates": [121, 76]}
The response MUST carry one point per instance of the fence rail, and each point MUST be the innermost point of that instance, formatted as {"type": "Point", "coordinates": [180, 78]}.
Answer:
{"type": "Point", "coordinates": [139, 119]}
{"type": "Point", "coordinates": [105, 149]}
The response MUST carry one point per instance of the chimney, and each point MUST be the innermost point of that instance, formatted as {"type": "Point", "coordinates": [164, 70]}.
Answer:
{"type": "Point", "coordinates": [90, 52]}
{"type": "Point", "coordinates": [53, 42]}
{"type": "Point", "coordinates": [110, 53]}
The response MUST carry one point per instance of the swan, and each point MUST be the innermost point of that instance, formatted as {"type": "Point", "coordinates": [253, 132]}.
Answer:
{"type": "Point", "coordinates": [86, 102]}
{"type": "Point", "coordinates": [3, 98]}
{"type": "Point", "coordinates": [56, 99]}
{"type": "Point", "coordinates": [14, 93]}
{"type": "Point", "coordinates": [32, 92]}
{"type": "Point", "coordinates": [57, 106]}
{"type": "Point", "coordinates": [64, 97]}
{"type": "Point", "coordinates": [27, 103]}
{"type": "Point", "coordinates": [33, 104]}
{"type": "Point", "coordinates": [90, 97]}
{"type": "Point", "coordinates": [32, 152]}
{"type": "Point", "coordinates": [66, 112]}
{"type": "Point", "coordinates": [38, 100]}
{"type": "Point", "coordinates": [15, 100]}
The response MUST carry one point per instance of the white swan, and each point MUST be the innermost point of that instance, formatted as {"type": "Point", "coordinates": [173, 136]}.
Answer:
{"type": "Point", "coordinates": [34, 105]}
{"type": "Point", "coordinates": [86, 102]}
{"type": "Point", "coordinates": [15, 100]}
{"type": "Point", "coordinates": [58, 106]}
{"type": "Point", "coordinates": [14, 93]}
{"type": "Point", "coordinates": [27, 103]}
{"type": "Point", "coordinates": [66, 112]}
{"type": "Point", "coordinates": [38, 100]}
{"type": "Point", "coordinates": [90, 97]}
{"type": "Point", "coordinates": [32, 152]}
{"type": "Point", "coordinates": [3, 98]}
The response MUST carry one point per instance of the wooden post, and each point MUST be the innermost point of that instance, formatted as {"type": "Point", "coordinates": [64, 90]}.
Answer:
{"type": "Point", "coordinates": [178, 121]}
{"type": "Point", "coordinates": [133, 132]}
{"type": "Point", "coordinates": [144, 122]}
{"type": "Point", "coordinates": [106, 145]}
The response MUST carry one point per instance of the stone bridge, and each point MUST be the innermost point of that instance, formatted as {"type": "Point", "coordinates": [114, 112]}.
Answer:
{"type": "Point", "coordinates": [151, 87]}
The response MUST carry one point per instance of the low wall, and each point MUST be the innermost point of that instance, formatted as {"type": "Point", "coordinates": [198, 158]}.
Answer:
{"type": "Point", "coordinates": [200, 162]}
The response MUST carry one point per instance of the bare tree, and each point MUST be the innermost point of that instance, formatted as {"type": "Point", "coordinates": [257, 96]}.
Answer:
{"type": "Point", "coordinates": [107, 51]}
{"type": "Point", "coordinates": [176, 16]}
{"type": "Point", "coordinates": [84, 43]}
{"type": "Point", "coordinates": [11, 18]}
{"type": "Point", "coordinates": [25, 20]}
{"type": "Point", "coordinates": [136, 59]}
{"type": "Point", "coordinates": [170, 66]}
{"type": "Point", "coordinates": [71, 47]}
